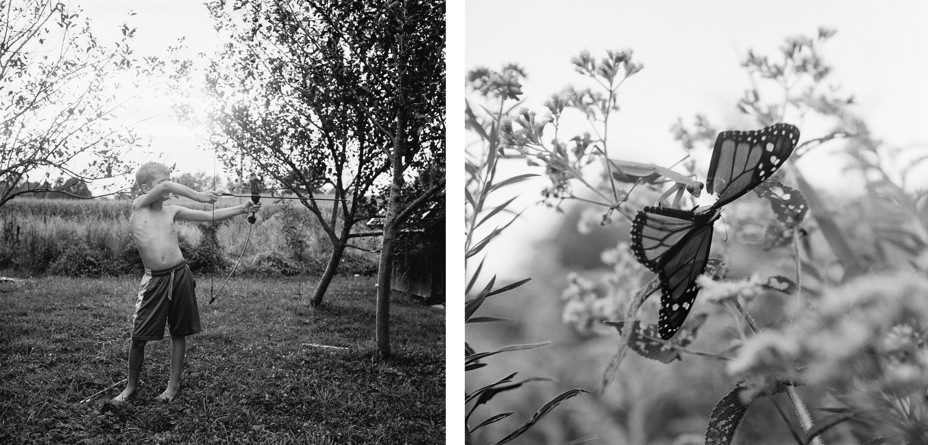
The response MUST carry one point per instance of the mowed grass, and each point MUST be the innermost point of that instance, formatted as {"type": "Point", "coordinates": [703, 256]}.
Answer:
{"type": "Point", "coordinates": [257, 372]}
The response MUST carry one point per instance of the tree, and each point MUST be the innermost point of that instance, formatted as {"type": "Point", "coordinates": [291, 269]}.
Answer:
{"type": "Point", "coordinates": [307, 92]}
{"type": "Point", "coordinates": [417, 28]}
{"type": "Point", "coordinates": [57, 109]}
{"type": "Point", "coordinates": [197, 181]}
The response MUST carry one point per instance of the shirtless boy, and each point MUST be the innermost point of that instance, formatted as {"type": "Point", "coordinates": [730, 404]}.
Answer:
{"type": "Point", "coordinates": [167, 289]}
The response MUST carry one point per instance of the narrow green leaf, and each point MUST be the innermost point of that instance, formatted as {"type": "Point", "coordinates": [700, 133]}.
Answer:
{"type": "Point", "coordinates": [496, 210]}
{"type": "Point", "coordinates": [470, 199]}
{"type": "Point", "coordinates": [471, 306]}
{"type": "Point", "coordinates": [487, 393]}
{"type": "Point", "coordinates": [474, 357]}
{"type": "Point", "coordinates": [474, 123]}
{"type": "Point", "coordinates": [494, 143]}
{"type": "Point", "coordinates": [471, 169]}
{"type": "Point", "coordinates": [509, 287]}
{"type": "Point", "coordinates": [541, 413]}
{"type": "Point", "coordinates": [476, 393]}
{"type": "Point", "coordinates": [473, 279]}
{"type": "Point", "coordinates": [514, 218]}
{"type": "Point", "coordinates": [483, 243]}
{"type": "Point", "coordinates": [486, 319]}
{"type": "Point", "coordinates": [473, 366]}
{"type": "Point", "coordinates": [511, 181]}
{"type": "Point", "coordinates": [493, 419]}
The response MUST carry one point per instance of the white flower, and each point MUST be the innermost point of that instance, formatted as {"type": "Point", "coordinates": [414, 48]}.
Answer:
{"type": "Point", "coordinates": [719, 291]}
{"type": "Point", "coordinates": [767, 352]}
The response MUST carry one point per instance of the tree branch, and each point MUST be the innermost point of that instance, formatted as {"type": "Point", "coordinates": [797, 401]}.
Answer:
{"type": "Point", "coordinates": [422, 199]}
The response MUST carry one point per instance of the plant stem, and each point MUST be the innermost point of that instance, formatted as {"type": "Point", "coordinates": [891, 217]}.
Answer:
{"type": "Point", "coordinates": [747, 317]}
{"type": "Point", "coordinates": [802, 413]}
{"type": "Point", "coordinates": [631, 314]}
{"type": "Point", "coordinates": [805, 419]}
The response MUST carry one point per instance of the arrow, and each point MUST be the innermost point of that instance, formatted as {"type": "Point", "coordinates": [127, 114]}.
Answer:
{"type": "Point", "coordinates": [281, 197]}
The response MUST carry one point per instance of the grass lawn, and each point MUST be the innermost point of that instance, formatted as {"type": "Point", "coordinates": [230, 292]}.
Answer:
{"type": "Point", "coordinates": [255, 373]}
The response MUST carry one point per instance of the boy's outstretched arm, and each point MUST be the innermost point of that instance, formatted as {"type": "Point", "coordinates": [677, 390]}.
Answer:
{"type": "Point", "coordinates": [219, 214]}
{"type": "Point", "coordinates": [157, 192]}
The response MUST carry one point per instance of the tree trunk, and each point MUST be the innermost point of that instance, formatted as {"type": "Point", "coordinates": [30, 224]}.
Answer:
{"type": "Point", "coordinates": [384, 278]}
{"type": "Point", "coordinates": [338, 249]}
{"type": "Point", "coordinates": [390, 229]}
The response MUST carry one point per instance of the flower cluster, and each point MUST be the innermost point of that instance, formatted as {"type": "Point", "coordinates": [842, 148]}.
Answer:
{"type": "Point", "coordinates": [720, 291]}
{"type": "Point", "coordinates": [584, 305]}
{"type": "Point", "coordinates": [867, 340]}
{"type": "Point", "coordinates": [507, 83]}
{"type": "Point", "coordinates": [588, 304]}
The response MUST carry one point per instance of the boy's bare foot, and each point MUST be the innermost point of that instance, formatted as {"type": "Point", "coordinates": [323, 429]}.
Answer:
{"type": "Point", "coordinates": [169, 394]}
{"type": "Point", "coordinates": [126, 395]}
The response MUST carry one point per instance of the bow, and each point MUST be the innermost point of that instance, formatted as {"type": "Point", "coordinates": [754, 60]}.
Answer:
{"type": "Point", "coordinates": [255, 197]}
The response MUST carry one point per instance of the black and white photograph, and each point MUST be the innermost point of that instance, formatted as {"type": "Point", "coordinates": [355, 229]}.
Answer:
{"type": "Point", "coordinates": [222, 221]}
{"type": "Point", "coordinates": [695, 222]}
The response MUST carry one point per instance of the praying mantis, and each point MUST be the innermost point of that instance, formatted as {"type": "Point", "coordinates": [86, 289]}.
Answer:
{"type": "Point", "coordinates": [642, 173]}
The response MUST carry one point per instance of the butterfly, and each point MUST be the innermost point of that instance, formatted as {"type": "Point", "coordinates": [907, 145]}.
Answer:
{"type": "Point", "coordinates": [674, 243]}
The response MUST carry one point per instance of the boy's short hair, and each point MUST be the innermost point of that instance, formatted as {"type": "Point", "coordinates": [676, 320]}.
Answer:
{"type": "Point", "coordinates": [148, 171]}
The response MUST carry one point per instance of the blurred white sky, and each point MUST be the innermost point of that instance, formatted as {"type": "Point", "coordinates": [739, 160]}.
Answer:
{"type": "Point", "coordinates": [691, 53]}
{"type": "Point", "coordinates": [159, 24]}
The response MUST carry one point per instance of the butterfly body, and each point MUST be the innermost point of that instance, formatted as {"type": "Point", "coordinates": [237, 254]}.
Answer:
{"type": "Point", "coordinates": [674, 243]}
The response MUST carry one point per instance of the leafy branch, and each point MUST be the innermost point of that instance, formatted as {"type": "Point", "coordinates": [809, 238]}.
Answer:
{"type": "Point", "coordinates": [482, 185]}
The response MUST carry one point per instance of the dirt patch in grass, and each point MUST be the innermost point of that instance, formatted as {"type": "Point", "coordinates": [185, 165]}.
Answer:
{"type": "Point", "coordinates": [266, 368]}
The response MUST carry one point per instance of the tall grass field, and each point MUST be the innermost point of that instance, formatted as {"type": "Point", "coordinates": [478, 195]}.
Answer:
{"type": "Point", "coordinates": [91, 238]}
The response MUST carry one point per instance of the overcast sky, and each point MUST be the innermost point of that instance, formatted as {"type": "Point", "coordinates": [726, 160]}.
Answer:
{"type": "Point", "coordinates": [159, 24]}
{"type": "Point", "coordinates": [691, 53]}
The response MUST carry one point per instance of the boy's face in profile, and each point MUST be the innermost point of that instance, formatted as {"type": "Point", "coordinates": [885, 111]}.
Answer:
{"type": "Point", "coordinates": [158, 179]}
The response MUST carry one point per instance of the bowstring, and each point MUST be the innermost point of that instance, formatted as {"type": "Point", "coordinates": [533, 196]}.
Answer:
{"type": "Point", "coordinates": [212, 274]}
{"type": "Point", "coordinates": [241, 255]}
{"type": "Point", "coordinates": [235, 266]}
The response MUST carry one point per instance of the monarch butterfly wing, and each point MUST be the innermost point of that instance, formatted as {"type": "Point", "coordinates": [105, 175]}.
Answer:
{"type": "Point", "coordinates": [678, 273]}
{"type": "Point", "coordinates": [656, 231]}
{"type": "Point", "coordinates": [741, 160]}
